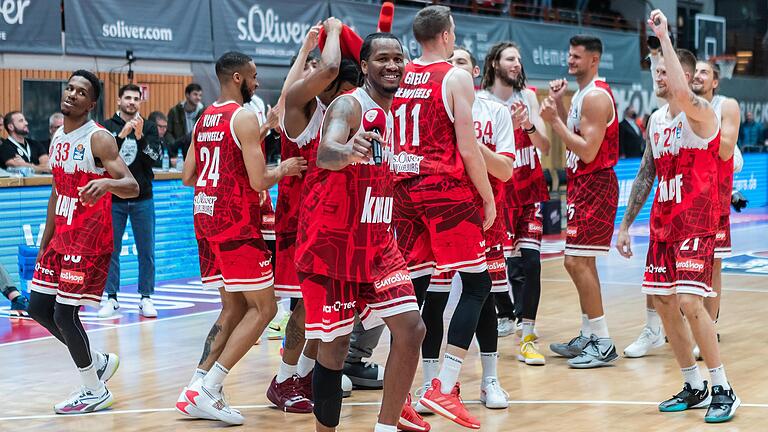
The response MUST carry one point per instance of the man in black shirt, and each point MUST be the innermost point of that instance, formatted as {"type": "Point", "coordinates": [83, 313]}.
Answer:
{"type": "Point", "coordinates": [630, 137]}
{"type": "Point", "coordinates": [18, 151]}
{"type": "Point", "coordinates": [139, 146]}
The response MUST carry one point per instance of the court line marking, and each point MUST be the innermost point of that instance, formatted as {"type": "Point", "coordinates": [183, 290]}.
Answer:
{"type": "Point", "coordinates": [350, 404]}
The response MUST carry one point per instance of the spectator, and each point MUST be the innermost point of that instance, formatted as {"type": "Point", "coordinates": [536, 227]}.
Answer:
{"type": "Point", "coordinates": [630, 135]}
{"type": "Point", "coordinates": [750, 134]}
{"type": "Point", "coordinates": [55, 121]}
{"type": "Point", "coordinates": [139, 147]}
{"type": "Point", "coordinates": [17, 150]}
{"type": "Point", "coordinates": [182, 117]}
{"type": "Point", "coordinates": [19, 303]}
{"type": "Point", "coordinates": [161, 122]}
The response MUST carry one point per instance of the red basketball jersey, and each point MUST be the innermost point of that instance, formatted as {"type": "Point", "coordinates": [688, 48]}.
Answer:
{"type": "Point", "coordinates": [344, 225]}
{"type": "Point", "coordinates": [527, 185]}
{"type": "Point", "coordinates": [225, 207]}
{"type": "Point", "coordinates": [425, 140]}
{"type": "Point", "coordinates": [686, 204]}
{"type": "Point", "coordinates": [289, 188]}
{"type": "Point", "coordinates": [724, 167]}
{"type": "Point", "coordinates": [79, 229]}
{"type": "Point", "coordinates": [608, 154]}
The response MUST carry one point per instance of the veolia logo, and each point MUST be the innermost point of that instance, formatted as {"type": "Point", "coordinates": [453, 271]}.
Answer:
{"type": "Point", "coordinates": [264, 25]}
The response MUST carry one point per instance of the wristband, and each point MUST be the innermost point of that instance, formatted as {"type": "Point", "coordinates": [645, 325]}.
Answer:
{"type": "Point", "coordinates": [531, 130]}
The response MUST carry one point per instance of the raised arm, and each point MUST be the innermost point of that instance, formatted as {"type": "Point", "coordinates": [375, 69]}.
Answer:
{"type": "Point", "coordinates": [122, 183]}
{"type": "Point", "coordinates": [341, 122]}
{"type": "Point", "coordinates": [729, 128]}
{"type": "Point", "coordinates": [597, 110]}
{"type": "Point", "coordinates": [641, 189]}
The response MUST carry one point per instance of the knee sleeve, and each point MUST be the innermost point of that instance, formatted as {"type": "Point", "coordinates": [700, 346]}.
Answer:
{"type": "Point", "coordinates": [532, 286]}
{"type": "Point", "coordinates": [294, 302]}
{"type": "Point", "coordinates": [327, 394]}
{"type": "Point", "coordinates": [504, 306]}
{"type": "Point", "coordinates": [516, 278]}
{"type": "Point", "coordinates": [67, 319]}
{"type": "Point", "coordinates": [41, 307]}
{"type": "Point", "coordinates": [420, 285]}
{"type": "Point", "coordinates": [487, 328]}
{"type": "Point", "coordinates": [475, 290]}
{"type": "Point", "coordinates": [432, 315]}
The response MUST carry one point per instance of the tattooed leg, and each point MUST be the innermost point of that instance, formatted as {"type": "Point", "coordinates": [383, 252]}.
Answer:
{"type": "Point", "coordinates": [294, 335]}
{"type": "Point", "coordinates": [231, 313]}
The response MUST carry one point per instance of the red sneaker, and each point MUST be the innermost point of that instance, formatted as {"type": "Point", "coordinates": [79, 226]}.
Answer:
{"type": "Point", "coordinates": [305, 385]}
{"type": "Point", "coordinates": [449, 405]}
{"type": "Point", "coordinates": [410, 420]}
{"type": "Point", "coordinates": [288, 396]}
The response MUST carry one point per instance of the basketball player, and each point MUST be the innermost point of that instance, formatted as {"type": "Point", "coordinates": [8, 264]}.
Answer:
{"type": "Point", "coordinates": [591, 136]}
{"type": "Point", "coordinates": [226, 166]}
{"type": "Point", "coordinates": [493, 132]}
{"type": "Point", "coordinates": [439, 169]}
{"type": "Point", "coordinates": [76, 245]}
{"type": "Point", "coordinates": [306, 92]}
{"type": "Point", "coordinates": [504, 81]}
{"type": "Point", "coordinates": [347, 257]}
{"type": "Point", "coordinates": [684, 223]}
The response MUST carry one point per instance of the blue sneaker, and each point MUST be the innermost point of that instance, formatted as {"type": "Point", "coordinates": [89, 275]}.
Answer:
{"type": "Point", "coordinates": [19, 306]}
{"type": "Point", "coordinates": [687, 399]}
{"type": "Point", "coordinates": [723, 406]}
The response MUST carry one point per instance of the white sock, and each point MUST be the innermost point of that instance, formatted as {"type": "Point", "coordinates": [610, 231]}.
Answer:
{"type": "Point", "coordinates": [305, 365]}
{"type": "Point", "coordinates": [431, 369]}
{"type": "Point", "coordinates": [489, 361]}
{"type": "Point", "coordinates": [283, 306]}
{"type": "Point", "coordinates": [90, 379]}
{"type": "Point", "coordinates": [652, 319]}
{"type": "Point", "coordinates": [449, 373]}
{"type": "Point", "coordinates": [599, 327]}
{"type": "Point", "coordinates": [718, 377]}
{"type": "Point", "coordinates": [586, 330]}
{"type": "Point", "coordinates": [528, 328]}
{"type": "Point", "coordinates": [215, 376]}
{"type": "Point", "coordinates": [384, 428]}
{"type": "Point", "coordinates": [692, 376]}
{"type": "Point", "coordinates": [285, 371]}
{"type": "Point", "coordinates": [198, 374]}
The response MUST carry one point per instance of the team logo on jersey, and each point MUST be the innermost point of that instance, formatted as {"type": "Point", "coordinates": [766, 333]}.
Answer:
{"type": "Point", "coordinates": [655, 269]}
{"type": "Point", "coordinates": [79, 152]}
{"type": "Point", "coordinates": [376, 209]}
{"type": "Point", "coordinates": [671, 189]}
{"type": "Point", "coordinates": [71, 276]}
{"type": "Point", "coordinates": [204, 204]}
{"type": "Point", "coordinates": [656, 137]}
{"type": "Point", "coordinates": [405, 162]}
{"type": "Point", "coordinates": [43, 270]}
{"type": "Point", "coordinates": [679, 130]}
{"type": "Point", "coordinates": [571, 231]}
{"type": "Point", "coordinates": [572, 161]}
{"type": "Point", "coordinates": [525, 156]}
{"type": "Point", "coordinates": [65, 207]}
{"type": "Point", "coordinates": [690, 265]}
{"type": "Point", "coordinates": [339, 306]}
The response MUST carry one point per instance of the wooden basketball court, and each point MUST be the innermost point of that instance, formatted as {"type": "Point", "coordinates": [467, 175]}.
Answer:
{"type": "Point", "coordinates": [158, 357]}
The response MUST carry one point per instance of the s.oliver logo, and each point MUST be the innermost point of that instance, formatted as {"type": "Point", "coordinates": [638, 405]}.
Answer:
{"type": "Point", "coordinates": [73, 277]}
{"type": "Point", "coordinates": [13, 11]}
{"type": "Point", "coordinates": [264, 25]}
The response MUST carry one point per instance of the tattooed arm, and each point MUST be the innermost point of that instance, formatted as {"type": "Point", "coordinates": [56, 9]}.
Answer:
{"type": "Point", "coordinates": [641, 188]}
{"type": "Point", "coordinates": [341, 122]}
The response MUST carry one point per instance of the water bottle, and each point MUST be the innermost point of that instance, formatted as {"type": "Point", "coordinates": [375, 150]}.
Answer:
{"type": "Point", "coordinates": [166, 161]}
{"type": "Point", "coordinates": [179, 161]}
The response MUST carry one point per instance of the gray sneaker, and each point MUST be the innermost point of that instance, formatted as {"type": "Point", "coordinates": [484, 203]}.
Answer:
{"type": "Point", "coordinates": [572, 348]}
{"type": "Point", "coordinates": [598, 352]}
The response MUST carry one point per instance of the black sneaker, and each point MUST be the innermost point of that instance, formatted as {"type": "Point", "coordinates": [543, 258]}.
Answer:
{"type": "Point", "coordinates": [723, 406]}
{"type": "Point", "coordinates": [19, 306]}
{"type": "Point", "coordinates": [689, 398]}
{"type": "Point", "coordinates": [572, 348]}
{"type": "Point", "coordinates": [365, 375]}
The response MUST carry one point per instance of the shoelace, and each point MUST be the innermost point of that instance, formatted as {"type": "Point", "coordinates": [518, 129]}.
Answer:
{"type": "Point", "coordinates": [646, 334]}
{"type": "Point", "coordinates": [370, 364]}
{"type": "Point", "coordinates": [576, 339]}
{"type": "Point", "coordinates": [529, 346]}
{"type": "Point", "coordinates": [495, 384]}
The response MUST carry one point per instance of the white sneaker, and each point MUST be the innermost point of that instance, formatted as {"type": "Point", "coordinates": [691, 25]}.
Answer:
{"type": "Point", "coordinates": [506, 327]}
{"type": "Point", "coordinates": [211, 401]}
{"type": "Point", "coordinates": [109, 308]}
{"type": "Point", "coordinates": [492, 395]}
{"type": "Point", "coordinates": [697, 353]}
{"type": "Point", "coordinates": [346, 386]}
{"type": "Point", "coordinates": [147, 308]}
{"type": "Point", "coordinates": [108, 365]}
{"type": "Point", "coordinates": [648, 339]}
{"type": "Point", "coordinates": [84, 401]}
{"type": "Point", "coordinates": [421, 409]}
{"type": "Point", "coordinates": [189, 410]}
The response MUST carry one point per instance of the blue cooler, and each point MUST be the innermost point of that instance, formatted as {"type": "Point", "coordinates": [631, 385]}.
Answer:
{"type": "Point", "coordinates": [27, 257]}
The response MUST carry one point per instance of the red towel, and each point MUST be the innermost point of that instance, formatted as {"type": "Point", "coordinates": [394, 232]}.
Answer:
{"type": "Point", "coordinates": [349, 40]}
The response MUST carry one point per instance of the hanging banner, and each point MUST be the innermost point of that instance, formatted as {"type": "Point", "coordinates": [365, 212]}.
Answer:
{"type": "Point", "coordinates": [30, 26]}
{"type": "Point", "coordinates": [271, 32]}
{"type": "Point", "coordinates": [479, 33]}
{"type": "Point", "coordinates": [169, 29]}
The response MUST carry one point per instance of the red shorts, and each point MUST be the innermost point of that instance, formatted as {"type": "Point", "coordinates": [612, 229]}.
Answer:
{"type": "Point", "coordinates": [723, 237]}
{"type": "Point", "coordinates": [592, 202]}
{"type": "Point", "coordinates": [286, 280]}
{"type": "Point", "coordinates": [680, 267]}
{"type": "Point", "coordinates": [74, 280]}
{"type": "Point", "coordinates": [331, 304]}
{"type": "Point", "coordinates": [438, 226]}
{"type": "Point", "coordinates": [237, 265]}
{"type": "Point", "coordinates": [524, 229]}
{"type": "Point", "coordinates": [497, 268]}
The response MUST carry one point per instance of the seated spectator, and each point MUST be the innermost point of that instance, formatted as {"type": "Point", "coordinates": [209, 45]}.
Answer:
{"type": "Point", "coordinates": [19, 303]}
{"type": "Point", "coordinates": [18, 151]}
{"type": "Point", "coordinates": [750, 134]}
{"type": "Point", "coordinates": [161, 121]}
{"type": "Point", "coordinates": [182, 117]}
{"type": "Point", "coordinates": [55, 121]}
{"type": "Point", "coordinates": [630, 135]}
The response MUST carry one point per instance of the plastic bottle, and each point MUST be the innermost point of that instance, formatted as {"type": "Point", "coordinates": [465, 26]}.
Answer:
{"type": "Point", "coordinates": [179, 161]}
{"type": "Point", "coordinates": [166, 161]}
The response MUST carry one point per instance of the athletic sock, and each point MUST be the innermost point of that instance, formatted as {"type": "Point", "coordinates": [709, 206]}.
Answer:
{"type": "Point", "coordinates": [431, 369]}
{"type": "Point", "coordinates": [305, 365]}
{"type": "Point", "coordinates": [718, 377]}
{"type": "Point", "coordinates": [599, 327]}
{"type": "Point", "coordinates": [692, 376]}
{"type": "Point", "coordinates": [528, 328]}
{"type": "Point", "coordinates": [285, 371]}
{"type": "Point", "coordinates": [90, 378]}
{"type": "Point", "coordinates": [652, 319]}
{"type": "Point", "coordinates": [198, 374]}
{"type": "Point", "coordinates": [384, 428]}
{"type": "Point", "coordinates": [586, 330]}
{"type": "Point", "coordinates": [449, 373]}
{"type": "Point", "coordinates": [215, 376]}
{"type": "Point", "coordinates": [489, 361]}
